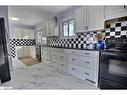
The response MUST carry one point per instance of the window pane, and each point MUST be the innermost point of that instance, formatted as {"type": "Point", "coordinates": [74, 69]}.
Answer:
{"type": "Point", "coordinates": [71, 28]}
{"type": "Point", "coordinates": [65, 28]}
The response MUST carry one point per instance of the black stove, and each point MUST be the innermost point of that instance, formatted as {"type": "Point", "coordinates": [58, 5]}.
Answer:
{"type": "Point", "coordinates": [113, 64]}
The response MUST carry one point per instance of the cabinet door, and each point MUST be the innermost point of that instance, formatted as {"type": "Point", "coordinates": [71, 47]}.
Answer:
{"type": "Point", "coordinates": [80, 17]}
{"type": "Point", "coordinates": [26, 51]}
{"type": "Point", "coordinates": [95, 18]}
{"type": "Point", "coordinates": [48, 28]}
{"type": "Point", "coordinates": [112, 12]}
{"type": "Point", "coordinates": [17, 33]}
{"type": "Point", "coordinates": [52, 27]}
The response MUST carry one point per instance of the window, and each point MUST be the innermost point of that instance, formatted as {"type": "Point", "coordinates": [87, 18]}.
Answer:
{"type": "Point", "coordinates": [68, 28]}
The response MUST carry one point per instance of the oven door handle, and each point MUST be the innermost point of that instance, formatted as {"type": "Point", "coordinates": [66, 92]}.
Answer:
{"type": "Point", "coordinates": [113, 54]}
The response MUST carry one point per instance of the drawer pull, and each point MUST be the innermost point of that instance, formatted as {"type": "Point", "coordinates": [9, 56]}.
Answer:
{"type": "Point", "coordinates": [87, 62]}
{"type": "Point", "coordinates": [90, 81]}
{"type": "Point", "coordinates": [62, 65]}
{"type": "Point", "coordinates": [61, 56]}
{"type": "Point", "coordinates": [87, 73]}
{"type": "Point", "coordinates": [73, 52]}
{"type": "Point", "coordinates": [87, 53]}
{"type": "Point", "coordinates": [73, 68]}
{"type": "Point", "coordinates": [73, 59]}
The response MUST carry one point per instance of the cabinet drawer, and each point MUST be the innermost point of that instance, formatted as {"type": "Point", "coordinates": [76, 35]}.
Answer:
{"type": "Point", "coordinates": [88, 73]}
{"type": "Point", "coordinates": [73, 59]}
{"type": "Point", "coordinates": [55, 63]}
{"type": "Point", "coordinates": [63, 66]}
{"type": "Point", "coordinates": [92, 54]}
{"type": "Point", "coordinates": [55, 56]}
{"type": "Point", "coordinates": [75, 70]}
{"type": "Point", "coordinates": [75, 52]}
{"type": "Point", "coordinates": [63, 50]}
{"type": "Point", "coordinates": [82, 73]}
{"type": "Point", "coordinates": [82, 61]}
{"type": "Point", "coordinates": [88, 62]}
{"type": "Point", "coordinates": [55, 50]}
{"type": "Point", "coordinates": [62, 57]}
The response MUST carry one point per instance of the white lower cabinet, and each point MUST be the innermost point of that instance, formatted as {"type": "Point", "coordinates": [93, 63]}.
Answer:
{"type": "Point", "coordinates": [82, 64]}
{"type": "Point", "coordinates": [45, 55]}
{"type": "Point", "coordinates": [59, 59]}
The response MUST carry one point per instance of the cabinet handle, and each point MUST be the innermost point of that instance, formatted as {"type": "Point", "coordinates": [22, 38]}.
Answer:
{"type": "Point", "coordinates": [73, 68]}
{"type": "Point", "coordinates": [87, 53]}
{"type": "Point", "coordinates": [87, 62]}
{"type": "Point", "coordinates": [61, 56]}
{"type": "Point", "coordinates": [73, 52]}
{"type": "Point", "coordinates": [62, 65]}
{"type": "Point", "coordinates": [87, 73]}
{"type": "Point", "coordinates": [73, 59]}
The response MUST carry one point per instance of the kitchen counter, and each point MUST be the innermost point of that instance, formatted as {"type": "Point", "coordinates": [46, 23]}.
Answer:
{"type": "Point", "coordinates": [71, 48]}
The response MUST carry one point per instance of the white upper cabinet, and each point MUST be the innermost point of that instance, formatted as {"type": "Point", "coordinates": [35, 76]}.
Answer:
{"type": "Point", "coordinates": [51, 28]}
{"type": "Point", "coordinates": [95, 18]}
{"type": "Point", "coordinates": [80, 17]}
{"type": "Point", "coordinates": [89, 18]}
{"type": "Point", "coordinates": [112, 12]}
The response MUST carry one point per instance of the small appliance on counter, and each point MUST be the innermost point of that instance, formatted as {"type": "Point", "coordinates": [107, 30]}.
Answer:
{"type": "Point", "coordinates": [99, 45]}
{"type": "Point", "coordinates": [113, 64]}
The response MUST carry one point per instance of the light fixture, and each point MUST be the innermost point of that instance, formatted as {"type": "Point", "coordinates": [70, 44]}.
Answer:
{"type": "Point", "coordinates": [14, 18]}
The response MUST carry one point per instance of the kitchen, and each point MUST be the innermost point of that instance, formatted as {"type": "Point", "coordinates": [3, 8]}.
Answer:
{"type": "Point", "coordinates": [78, 47]}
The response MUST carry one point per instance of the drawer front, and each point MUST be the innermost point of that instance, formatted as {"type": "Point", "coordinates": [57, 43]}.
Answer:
{"type": "Point", "coordinates": [45, 61]}
{"type": "Point", "coordinates": [55, 50]}
{"type": "Point", "coordinates": [63, 50]}
{"type": "Point", "coordinates": [83, 73]}
{"type": "Point", "coordinates": [74, 70]}
{"type": "Point", "coordinates": [73, 59]}
{"type": "Point", "coordinates": [55, 56]}
{"type": "Point", "coordinates": [90, 53]}
{"type": "Point", "coordinates": [55, 63]}
{"type": "Point", "coordinates": [63, 57]}
{"type": "Point", "coordinates": [63, 66]}
{"type": "Point", "coordinates": [88, 73]}
{"type": "Point", "coordinates": [88, 62]}
{"type": "Point", "coordinates": [75, 52]}
{"type": "Point", "coordinates": [81, 61]}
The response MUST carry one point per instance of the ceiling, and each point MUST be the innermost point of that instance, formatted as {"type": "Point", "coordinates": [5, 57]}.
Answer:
{"type": "Point", "coordinates": [33, 15]}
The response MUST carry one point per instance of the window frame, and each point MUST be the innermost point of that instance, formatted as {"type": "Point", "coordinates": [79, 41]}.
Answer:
{"type": "Point", "coordinates": [66, 19]}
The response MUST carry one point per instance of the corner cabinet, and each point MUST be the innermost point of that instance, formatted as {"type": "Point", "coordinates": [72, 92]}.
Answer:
{"type": "Point", "coordinates": [90, 18]}
{"type": "Point", "coordinates": [112, 12]}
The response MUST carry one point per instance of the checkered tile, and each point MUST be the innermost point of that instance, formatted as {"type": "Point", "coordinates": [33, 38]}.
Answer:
{"type": "Point", "coordinates": [116, 30]}
{"type": "Point", "coordinates": [20, 42]}
{"type": "Point", "coordinates": [113, 30]}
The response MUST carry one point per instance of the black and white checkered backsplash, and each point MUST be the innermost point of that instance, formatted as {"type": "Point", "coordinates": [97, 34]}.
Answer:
{"type": "Point", "coordinates": [116, 30]}
{"type": "Point", "coordinates": [81, 41]}
{"type": "Point", "coordinates": [113, 30]}
{"type": "Point", "coordinates": [20, 42]}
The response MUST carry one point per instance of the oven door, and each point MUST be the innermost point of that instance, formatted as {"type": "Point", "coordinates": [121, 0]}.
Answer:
{"type": "Point", "coordinates": [113, 68]}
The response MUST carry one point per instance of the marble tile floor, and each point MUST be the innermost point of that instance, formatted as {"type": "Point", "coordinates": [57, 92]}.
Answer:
{"type": "Point", "coordinates": [41, 76]}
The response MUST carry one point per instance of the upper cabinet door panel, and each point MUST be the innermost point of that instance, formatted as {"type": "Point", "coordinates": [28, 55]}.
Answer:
{"type": "Point", "coordinates": [112, 12]}
{"type": "Point", "coordinates": [80, 17]}
{"type": "Point", "coordinates": [95, 17]}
